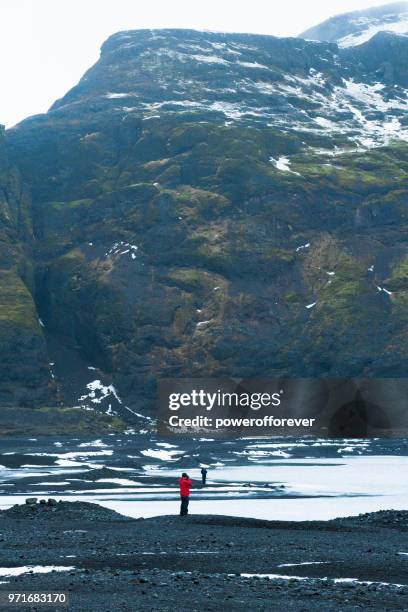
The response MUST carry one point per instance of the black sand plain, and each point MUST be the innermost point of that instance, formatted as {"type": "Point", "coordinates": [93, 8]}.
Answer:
{"type": "Point", "coordinates": [197, 562]}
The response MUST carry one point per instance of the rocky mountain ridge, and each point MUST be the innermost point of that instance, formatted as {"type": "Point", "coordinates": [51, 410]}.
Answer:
{"type": "Point", "coordinates": [358, 27]}
{"type": "Point", "coordinates": [211, 204]}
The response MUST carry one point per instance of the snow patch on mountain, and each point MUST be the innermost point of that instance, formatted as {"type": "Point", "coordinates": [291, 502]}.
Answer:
{"type": "Point", "coordinates": [282, 164]}
{"type": "Point", "coordinates": [358, 27]}
{"type": "Point", "coordinates": [369, 30]}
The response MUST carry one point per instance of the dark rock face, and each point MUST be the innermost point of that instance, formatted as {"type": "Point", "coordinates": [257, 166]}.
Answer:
{"type": "Point", "coordinates": [384, 56]}
{"type": "Point", "coordinates": [219, 205]}
{"type": "Point", "coordinates": [24, 370]}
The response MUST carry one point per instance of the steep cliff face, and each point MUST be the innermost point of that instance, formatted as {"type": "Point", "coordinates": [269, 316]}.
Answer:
{"type": "Point", "coordinates": [24, 368]}
{"type": "Point", "coordinates": [217, 204]}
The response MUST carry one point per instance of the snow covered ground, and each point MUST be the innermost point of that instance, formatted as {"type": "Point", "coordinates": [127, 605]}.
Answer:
{"type": "Point", "coordinates": [280, 478]}
{"type": "Point", "coordinates": [369, 29]}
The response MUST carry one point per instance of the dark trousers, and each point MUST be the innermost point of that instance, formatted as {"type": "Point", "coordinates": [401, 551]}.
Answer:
{"type": "Point", "coordinates": [184, 506]}
{"type": "Point", "coordinates": [203, 478]}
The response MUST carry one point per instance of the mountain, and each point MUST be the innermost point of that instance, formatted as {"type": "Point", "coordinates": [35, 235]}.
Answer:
{"type": "Point", "coordinates": [207, 204]}
{"type": "Point", "coordinates": [358, 27]}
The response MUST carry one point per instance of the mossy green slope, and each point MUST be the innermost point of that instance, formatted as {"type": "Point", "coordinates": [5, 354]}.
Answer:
{"type": "Point", "coordinates": [24, 370]}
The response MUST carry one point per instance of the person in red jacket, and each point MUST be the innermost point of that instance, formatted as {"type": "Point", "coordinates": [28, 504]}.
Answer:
{"type": "Point", "coordinates": [184, 483]}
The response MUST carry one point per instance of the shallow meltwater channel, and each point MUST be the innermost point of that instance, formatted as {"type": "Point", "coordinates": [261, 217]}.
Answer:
{"type": "Point", "coordinates": [33, 569]}
{"type": "Point", "coordinates": [279, 478]}
{"type": "Point", "coordinates": [353, 581]}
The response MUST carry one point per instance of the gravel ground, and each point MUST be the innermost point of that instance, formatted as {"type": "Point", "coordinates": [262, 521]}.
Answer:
{"type": "Point", "coordinates": [197, 562]}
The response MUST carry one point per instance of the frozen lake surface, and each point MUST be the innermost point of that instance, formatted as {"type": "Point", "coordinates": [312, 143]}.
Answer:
{"type": "Point", "coordinates": [279, 478]}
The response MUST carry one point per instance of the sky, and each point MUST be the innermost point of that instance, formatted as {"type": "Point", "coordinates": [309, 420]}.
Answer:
{"type": "Point", "coordinates": [47, 45]}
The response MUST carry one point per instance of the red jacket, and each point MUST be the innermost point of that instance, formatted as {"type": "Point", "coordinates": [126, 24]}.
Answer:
{"type": "Point", "coordinates": [185, 484]}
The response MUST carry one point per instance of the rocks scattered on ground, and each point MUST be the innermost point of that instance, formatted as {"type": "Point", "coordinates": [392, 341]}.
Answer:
{"type": "Point", "coordinates": [387, 518]}
{"type": "Point", "coordinates": [64, 510]}
{"type": "Point", "coordinates": [201, 560]}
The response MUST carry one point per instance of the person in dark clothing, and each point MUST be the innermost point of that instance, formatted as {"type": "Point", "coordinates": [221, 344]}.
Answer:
{"type": "Point", "coordinates": [203, 475]}
{"type": "Point", "coordinates": [184, 483]}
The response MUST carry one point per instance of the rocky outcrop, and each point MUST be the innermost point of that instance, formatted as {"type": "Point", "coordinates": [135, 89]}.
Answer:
{"type": "Point", "coordinates": [383, 57]}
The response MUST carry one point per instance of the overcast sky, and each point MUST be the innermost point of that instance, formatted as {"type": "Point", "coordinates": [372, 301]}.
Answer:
{"type": "Point", "coordinates": [46, 45]}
